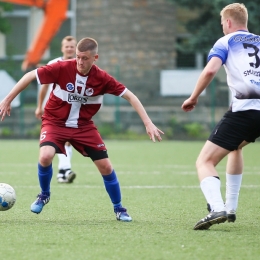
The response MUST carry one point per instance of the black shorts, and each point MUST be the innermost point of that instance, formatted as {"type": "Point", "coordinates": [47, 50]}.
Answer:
{"type": "Point", "coordinates": [236, 127]}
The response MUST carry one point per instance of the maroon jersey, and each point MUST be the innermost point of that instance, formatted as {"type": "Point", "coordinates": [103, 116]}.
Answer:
{"type": "Point", "coordinates": [75, 98]}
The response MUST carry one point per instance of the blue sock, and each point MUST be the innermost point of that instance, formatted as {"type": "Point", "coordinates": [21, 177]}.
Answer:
{"type": "Point", "coordinates": [113, 188]}
{"type": "Point", "coordinates": [45, 175]}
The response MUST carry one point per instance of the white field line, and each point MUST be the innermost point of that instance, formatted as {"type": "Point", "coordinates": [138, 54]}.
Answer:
{"type": "Point", "coordinates": [89, 164]}
{"type": "Point", "coordinates": [86, 172]}
{"type": "Point", "coordinates": [132, 187]}
{"type": "Point", "coordinates": [87, 169]}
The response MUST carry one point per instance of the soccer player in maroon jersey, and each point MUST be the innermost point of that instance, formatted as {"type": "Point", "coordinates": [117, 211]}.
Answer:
{"type": "Point", "coordinates": [68, 49]}
{"type": "Point", "coordinates": [78, 90]}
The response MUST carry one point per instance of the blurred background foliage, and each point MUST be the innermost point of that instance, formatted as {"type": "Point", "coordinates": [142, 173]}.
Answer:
{"type": "Point", "coordinates": [205, 26]}
{"type": "Point", "coordinates": [4, 25]}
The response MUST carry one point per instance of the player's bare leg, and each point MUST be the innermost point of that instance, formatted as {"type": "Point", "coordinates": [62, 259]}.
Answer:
{"type": "Point", "coordinates": [210, 155]}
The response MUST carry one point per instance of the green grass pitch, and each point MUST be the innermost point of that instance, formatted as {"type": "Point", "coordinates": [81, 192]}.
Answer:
{"type": "Point", "coordinates": [160, 189]}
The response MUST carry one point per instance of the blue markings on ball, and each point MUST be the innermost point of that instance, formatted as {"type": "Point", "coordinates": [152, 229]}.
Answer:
{"type": "Point", "coordinates": [4, 204]}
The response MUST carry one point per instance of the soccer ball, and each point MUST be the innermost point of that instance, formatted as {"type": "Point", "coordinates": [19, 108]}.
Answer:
{"type": "Point", "coordinates": [7, 196]}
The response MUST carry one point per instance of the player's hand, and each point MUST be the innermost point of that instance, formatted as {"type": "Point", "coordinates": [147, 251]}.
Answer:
{"type": "Point", "coordinates": [38, 113]}
{"type": "Point", "coordinates": [5, 109]}
{"type": "Point", "coordinates": [189, 104]}
{"type": "Point", "coordinates": [153, 132]}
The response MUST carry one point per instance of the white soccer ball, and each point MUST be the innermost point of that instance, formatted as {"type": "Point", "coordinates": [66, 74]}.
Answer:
{"type": "Point", "coordinates": [7, 196]}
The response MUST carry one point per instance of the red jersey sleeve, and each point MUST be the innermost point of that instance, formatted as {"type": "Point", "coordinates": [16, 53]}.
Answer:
{"type": "Point", "coordinates": [114, 87]}
{"type": "Point", "coordinates": [49, 73]}
{"type": "Point", "coordinates": [110, 84]}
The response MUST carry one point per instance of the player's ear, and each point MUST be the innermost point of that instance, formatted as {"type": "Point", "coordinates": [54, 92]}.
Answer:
{"type": "Point", "coordinates": [96, 57]}
{"type": "Point", "coordinates": [229, 23]}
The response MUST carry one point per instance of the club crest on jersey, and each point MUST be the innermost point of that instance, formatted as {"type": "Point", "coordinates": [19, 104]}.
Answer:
{"type": "Point", "coordinates": [89, 91]}
{"type": "Point", "coordinates": [70, 87]}
{"type": "Point", "coordinates": [79, 89]}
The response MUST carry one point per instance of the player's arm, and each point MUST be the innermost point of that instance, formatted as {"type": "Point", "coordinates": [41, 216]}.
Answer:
{"type": "Point", "coordinates": [204, 80]}
{"type": "Point", "coordinates": [5, 105]}
{"type": "Point", "coordinates": [41, 96]}
{"type": "Point", "coordinates": [151, 129]}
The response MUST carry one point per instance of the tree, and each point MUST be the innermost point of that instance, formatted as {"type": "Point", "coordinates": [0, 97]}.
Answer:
{"type": "Point", "coordinates": [4, 25]}
{"type": "Point", "coordinates": [206, 28]}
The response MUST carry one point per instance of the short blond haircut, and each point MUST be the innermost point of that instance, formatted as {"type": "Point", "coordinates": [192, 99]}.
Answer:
{"type": "Point", "coordinates": [237, 12]}
{"type": "Point", "coordinates": [88, 44]}
{"type": "Point", "coordinates": [68, 39]}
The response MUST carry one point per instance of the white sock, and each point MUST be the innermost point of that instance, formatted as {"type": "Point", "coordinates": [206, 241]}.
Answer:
{"type": "Point", "coordinates": [210, 187]}
{"type": "Point", "coordinates": [233, 184]}
{"type": "Point", "coordinates": [68, 149]}
{"type": "Point", "coordinates": [64, 161]}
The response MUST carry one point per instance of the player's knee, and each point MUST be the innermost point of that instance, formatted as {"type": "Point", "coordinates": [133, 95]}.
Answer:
{"type": "Point", "coordinates": [46, 155]}
{"type": "Point", "coordinates": [199, 163]}
{"type": "Point", "coordinates": [45, 160]}
{"type": "Point", "coordinates": [104, 168]}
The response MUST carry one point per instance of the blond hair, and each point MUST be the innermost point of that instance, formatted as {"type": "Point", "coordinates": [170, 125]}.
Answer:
{"type": "Point", "coordinates": [88, 44]}
{"type": "Point", "coordinates": [68, 39]}
{"type": "Point", "coordinates": [237, 12]}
